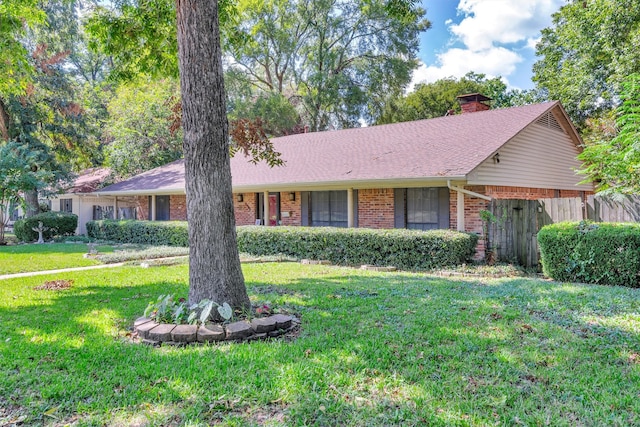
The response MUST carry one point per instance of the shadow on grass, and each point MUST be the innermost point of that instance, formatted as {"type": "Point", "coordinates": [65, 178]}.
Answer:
{"type": "Point", "coordinates": [375, 349]}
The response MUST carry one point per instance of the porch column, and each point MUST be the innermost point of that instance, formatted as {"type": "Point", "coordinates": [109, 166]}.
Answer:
{"type": "Point", "coordinates": [266, 208]}
{"type": "Point", "coordinates": [350, 207]}
{"type": "Point", "coordinates": [460, 209]}
{"type": "Point", "coordinates": [115, 207]}
{"type": "Point", "coordinates": [153, 207]}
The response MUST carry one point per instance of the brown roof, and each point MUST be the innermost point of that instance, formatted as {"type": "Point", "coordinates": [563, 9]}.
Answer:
{"type": "Point", "coordinates": [442, 148]}
{"type": "Point", "coordinates": [89, 180]}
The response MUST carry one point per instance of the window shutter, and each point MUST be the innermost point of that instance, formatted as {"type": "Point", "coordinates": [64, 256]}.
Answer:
{"type": "Point", "coordinates": [355, 208]}
{"type": "Point", "coordinates": [443, 208]}
{"type": "Point", "coordinates": [399, 215]}
{"type": "Point", "coordinates": [304, 208]}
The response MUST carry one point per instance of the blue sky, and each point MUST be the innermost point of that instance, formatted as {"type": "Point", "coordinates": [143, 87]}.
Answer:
{"type": "Point", "coordinates": [494, 37]}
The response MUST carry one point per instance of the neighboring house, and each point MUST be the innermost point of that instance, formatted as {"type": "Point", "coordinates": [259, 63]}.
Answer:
{"type": "Point", "coordinates": [81, 200]}
{"type": "Point", "coordinates": [426, 174]}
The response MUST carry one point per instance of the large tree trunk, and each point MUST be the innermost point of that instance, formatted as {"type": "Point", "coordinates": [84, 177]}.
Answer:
{"type": "Point", "coordinates": [214, 264]}
{"type": "Point", "coordinates": [4, 122]}
{"type": "Point", "coordinates": [31, 200]}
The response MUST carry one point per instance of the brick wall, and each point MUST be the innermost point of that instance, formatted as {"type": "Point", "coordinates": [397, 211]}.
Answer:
{"type": "Point", "coordinates": [375, 208]}
{"type": "Point", "coordinates": [178, 207]}
{"type": "Point", "coordinates": [293, 207]}
{"type": "Point", "coordinates": [142, 206]}
{"type": "Point", "coordinates": [245, 210]}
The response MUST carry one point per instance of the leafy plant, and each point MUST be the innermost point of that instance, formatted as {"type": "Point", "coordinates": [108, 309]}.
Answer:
{"type": "Point", "coordinates": [605, 253]}
{"type": "Point", "coordinates": [167, 310]}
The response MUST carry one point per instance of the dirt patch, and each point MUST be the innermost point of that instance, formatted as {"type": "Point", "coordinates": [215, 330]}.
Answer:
{"type": "Point", "coordinates": [55, 285]}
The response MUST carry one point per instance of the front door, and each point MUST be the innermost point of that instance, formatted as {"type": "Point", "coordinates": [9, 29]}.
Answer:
{"type": "Point", "coordinates": [274, 209]}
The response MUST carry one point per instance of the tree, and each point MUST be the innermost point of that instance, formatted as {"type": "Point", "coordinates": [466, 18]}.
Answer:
{"type": "Point", "coordinates": [138, 134]}
{"type": "Point", "coordinates": [335, 60]}
{"type": "Point", "coordinates": [429, 100]}
{"type": "Point", "coordinates": [214, 263]}
{"type": "Point", "coordinates": [613, 160]}
{"type": "Point", "coordinates": [45, 114]}
{"type": "Point", "coordinates": [16, 176]}
{"type": "Point", "coordinates": [586, 53]}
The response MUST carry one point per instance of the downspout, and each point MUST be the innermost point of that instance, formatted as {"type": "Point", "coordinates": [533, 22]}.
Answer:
{"type": "Point", "coordinates": [460, 202]}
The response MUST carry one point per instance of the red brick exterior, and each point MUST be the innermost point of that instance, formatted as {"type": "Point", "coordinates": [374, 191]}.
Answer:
{"type": "Point", "coordinates": [178, 207]}
{"type": "Point", "coordinates": [246, 209]}
{"type": "Point", "coordinates": [142, 206]}
{"type": "Point", "coordinates": [293, 207]}
{"type": "Point", "coordinates": [375, 208]}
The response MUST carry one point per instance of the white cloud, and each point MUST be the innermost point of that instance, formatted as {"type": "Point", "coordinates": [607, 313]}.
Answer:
{"type": "Point", "coordinates": [496, 61]}
{"type": "Point", "coordinates": [493, 35]}
{"type": "Point", "coordinates": [490, 22]}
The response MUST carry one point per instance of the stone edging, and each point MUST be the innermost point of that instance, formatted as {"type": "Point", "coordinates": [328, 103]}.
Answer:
{"type": "Point", "coordinates": [156, 334]}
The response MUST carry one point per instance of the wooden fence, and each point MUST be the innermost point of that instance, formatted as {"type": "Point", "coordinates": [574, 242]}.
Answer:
{"type": "Point", "coordinates": [513, 233]}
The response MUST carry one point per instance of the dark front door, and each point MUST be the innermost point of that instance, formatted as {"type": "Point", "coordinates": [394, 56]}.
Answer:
{"type": "Point", "coordinates": [162, 208]}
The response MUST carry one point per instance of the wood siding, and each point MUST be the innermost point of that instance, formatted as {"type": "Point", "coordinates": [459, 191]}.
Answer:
{"type": "Point", "coordinates": [539, 157]}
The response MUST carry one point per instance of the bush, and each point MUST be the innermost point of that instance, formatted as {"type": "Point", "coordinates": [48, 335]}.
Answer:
{"type": "Point", "coordinates": [604, 253]}
{"type": "Point", "coordinates": [169, 233]}
{"type": "Point", "coordinates": [57, 224]}
{"type": "Point", "coordinates": [404, 249]}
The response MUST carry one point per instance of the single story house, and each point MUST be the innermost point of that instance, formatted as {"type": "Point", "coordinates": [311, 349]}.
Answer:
{"type": "Point", "coordinates": [426, 174]}
{"type": "Point", "coordinates": [80, 199]}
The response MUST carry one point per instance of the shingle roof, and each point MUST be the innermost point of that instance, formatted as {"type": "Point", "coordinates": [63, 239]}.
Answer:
{"type": "Point", "coordinates": [88, 180]}
{"type": "Point", "coordinates": [444, 147]}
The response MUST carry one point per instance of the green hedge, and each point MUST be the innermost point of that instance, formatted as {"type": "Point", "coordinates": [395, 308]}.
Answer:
{"type": "Point", "coordinates": [169, 233]}
{"type": "Point", "coordinates": [404, 249]}
{"type": "Point", "coordinates": [58, 224]}
{"type": "Point", "coordinates": [602, 253]}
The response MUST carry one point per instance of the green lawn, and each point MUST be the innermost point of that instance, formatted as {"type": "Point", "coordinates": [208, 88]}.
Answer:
{"type": "Point", "coordinates": [49, 256]}
{"type": "Point", "coordinates": [375, 349]}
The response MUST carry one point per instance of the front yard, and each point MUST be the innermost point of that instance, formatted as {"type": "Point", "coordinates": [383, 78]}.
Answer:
{"type": "Point", "coordinates": [374, 349]}
{"type": "Point", "coordinates": [50, 256]}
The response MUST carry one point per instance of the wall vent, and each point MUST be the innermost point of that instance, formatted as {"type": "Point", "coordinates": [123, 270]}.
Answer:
{"type": "Point", "coordinates": [549, 121]}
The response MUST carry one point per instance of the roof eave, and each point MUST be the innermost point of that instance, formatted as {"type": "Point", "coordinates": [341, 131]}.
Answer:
{"type": "Point", "coordinates": [308, 186]}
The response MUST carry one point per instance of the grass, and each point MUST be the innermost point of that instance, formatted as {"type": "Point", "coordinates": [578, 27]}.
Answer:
{"type": "Point", "coordinates": [49, 256]}
{"type": "Point", "coordinates": [375, 349]}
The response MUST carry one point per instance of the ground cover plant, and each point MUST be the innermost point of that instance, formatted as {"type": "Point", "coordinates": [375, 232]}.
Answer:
{"type": "Point", "coordinates": [374, 349]}
{"type": "Point", "coordinates": [49, 256]}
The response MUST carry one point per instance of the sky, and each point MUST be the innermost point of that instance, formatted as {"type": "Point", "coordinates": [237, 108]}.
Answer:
{"type": "Point", "coordinates": [492, 37]}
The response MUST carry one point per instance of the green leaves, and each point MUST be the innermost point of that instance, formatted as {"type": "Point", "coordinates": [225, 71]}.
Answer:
{"type": "Point", "coordinates": [614, 162]}
{"type": "Point", "coordinates": [590, 47]}
{"type": "Point", "coordinates": [141, 125]}
{"type": "Point", "coordinates": [605, 253]}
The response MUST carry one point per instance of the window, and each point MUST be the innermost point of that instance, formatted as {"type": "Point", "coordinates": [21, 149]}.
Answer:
{"type": "Point", "coordinates": [102, 212]}
{"type": "Point", "coordinates": [66, 205]}
{"type": "Point", "coordinates": [129, 212]}
{"type": "Point", "coordinates": [422, 208]}
{"type": "Point", "coordinates": [329, 209]}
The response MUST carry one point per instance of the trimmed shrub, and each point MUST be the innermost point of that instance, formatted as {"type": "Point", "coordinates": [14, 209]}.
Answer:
{"type": "Point", "coordinates": [169, 233]}
{"type": "Point", "coordinates": [57, 224]}
{"type": "Point", "coordinates": [600, 253]}
{"type": "Point", "coordinates": [404, 249]}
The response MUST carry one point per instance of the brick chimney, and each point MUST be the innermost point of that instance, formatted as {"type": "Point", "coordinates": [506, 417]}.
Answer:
{"type": "Point", "coordinates": [473, 102]}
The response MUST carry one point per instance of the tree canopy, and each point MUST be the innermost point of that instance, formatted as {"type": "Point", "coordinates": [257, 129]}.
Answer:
{"type": "Point", "coordinates": [138, 135]}
{"type": "Point", "coordinates": [613, 157]}
{"type": "Point", "coordinates": [587, 52]}
{"type": "Point", "coordinates": [336, 61]}
{"type": "Point", "coordinates": [429, 100]}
